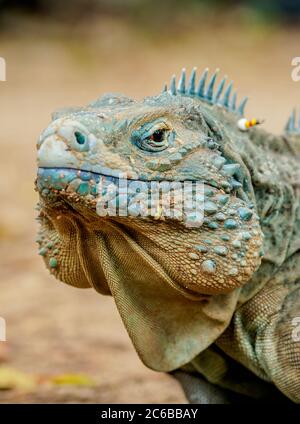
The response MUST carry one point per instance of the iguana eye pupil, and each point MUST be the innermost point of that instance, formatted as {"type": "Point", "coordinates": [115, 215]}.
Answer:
{"type": "Point", "coordinates": [80, 138]}
{"type": "Point", "coordinates": [157, 136]}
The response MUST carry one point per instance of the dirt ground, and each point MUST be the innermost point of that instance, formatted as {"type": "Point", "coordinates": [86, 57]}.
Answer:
{"type": "Point", "coordinates": [53, 329]}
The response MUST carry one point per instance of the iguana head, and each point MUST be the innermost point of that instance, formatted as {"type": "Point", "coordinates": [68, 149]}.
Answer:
{"type": "Point", "coordinates": [167, 268]}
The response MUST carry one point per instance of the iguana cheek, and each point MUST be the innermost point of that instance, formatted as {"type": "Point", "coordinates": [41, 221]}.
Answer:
{"type": "Point", "coordinates": [214, 258]}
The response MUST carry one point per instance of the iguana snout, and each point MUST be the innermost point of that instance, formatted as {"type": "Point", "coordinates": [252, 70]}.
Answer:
{"type": "Point", "coordinates": [69, 143]}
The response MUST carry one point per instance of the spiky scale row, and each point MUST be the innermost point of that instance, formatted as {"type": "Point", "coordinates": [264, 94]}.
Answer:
{"type": "Point", "coordinates": [292, 126]}
{"type": "Point", "coordinates": [205, 91]}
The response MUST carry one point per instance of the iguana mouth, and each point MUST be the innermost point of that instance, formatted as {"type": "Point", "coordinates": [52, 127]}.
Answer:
{"type": "Point", "coordinates": [84, 182]}
{"type": "Point", "coordinates": [116, 196]}
{"type": "Point", "coordinates": [49, 173]}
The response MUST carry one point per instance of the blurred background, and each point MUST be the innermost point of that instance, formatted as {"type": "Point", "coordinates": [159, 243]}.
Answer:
{"type": "Point", "coordinates": [63, 344]}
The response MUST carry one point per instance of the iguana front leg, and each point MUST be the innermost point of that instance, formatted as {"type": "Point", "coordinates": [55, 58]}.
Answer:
{"type": "Point", "coordinates": [261, 335]}
{"type": "Point", "coordinates": [246, 389]}
{"type": "Point", "coordinates": [200, 391]}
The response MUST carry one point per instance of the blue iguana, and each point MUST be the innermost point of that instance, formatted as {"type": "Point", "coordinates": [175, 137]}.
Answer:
{"type": "Point", "coordinates": [217, 297]}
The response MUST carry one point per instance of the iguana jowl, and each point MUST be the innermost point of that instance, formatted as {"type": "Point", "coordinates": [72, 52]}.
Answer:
{"type": "Point", "coordinates": [219, 298]}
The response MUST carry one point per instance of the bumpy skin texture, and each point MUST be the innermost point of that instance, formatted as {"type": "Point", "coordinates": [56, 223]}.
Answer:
{"type": "Point", "coordinates": [217, 299]}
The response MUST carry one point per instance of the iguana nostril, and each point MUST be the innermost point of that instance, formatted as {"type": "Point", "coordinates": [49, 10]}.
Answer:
{"type": "Point", "coordinates": [80, 138]}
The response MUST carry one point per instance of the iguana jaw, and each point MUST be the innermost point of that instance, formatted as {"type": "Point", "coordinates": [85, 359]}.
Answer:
{"type": "Point", "coordinates": [226, 233]}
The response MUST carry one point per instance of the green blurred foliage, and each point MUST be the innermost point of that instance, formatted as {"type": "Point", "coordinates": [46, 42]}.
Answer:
{"type": "Point", "coordinates": [286, 10]}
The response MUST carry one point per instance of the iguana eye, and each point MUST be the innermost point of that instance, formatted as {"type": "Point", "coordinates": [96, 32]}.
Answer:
{"type": "Point", "coordinates": [154, 138]}
{"type": "Point", "coordinates": [155, 141]}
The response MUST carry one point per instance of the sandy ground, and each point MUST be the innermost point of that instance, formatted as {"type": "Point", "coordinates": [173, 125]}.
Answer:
{"type": "Point", "coordinates": [53, 329]}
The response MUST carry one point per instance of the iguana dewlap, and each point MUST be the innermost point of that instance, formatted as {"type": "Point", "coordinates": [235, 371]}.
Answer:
{"type": "Point", "coordinates": [220, 296]}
